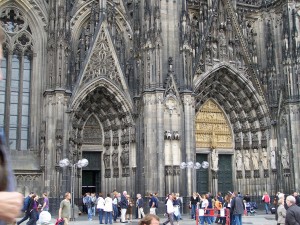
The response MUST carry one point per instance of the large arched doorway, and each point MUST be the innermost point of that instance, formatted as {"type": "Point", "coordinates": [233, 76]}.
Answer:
{"type": "Point", "coordinates": [213, 144]}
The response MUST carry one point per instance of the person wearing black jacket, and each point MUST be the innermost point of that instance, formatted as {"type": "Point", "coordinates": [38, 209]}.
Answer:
{"type": "Point", "coordinates": [33, 210]}
{"type": "Point", "coordinates": [237, 208]}
{"type": "Point", "coordinates": [293, 212]}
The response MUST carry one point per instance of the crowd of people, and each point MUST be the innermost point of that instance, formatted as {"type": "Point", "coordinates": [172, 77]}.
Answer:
{"type": "Point", "coordinates": [286, 209]}
{"type": "Point", "coordinates": [116, 205]}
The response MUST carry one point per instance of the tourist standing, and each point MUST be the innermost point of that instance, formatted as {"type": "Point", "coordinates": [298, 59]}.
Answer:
{"type": "Point", "coordinates": [65, 209]}
{"type": "Point", "coordinates": [115, 205]}
{"type": "Point", "coordinates": [140, 206]}
{"type": "Point", "coordinates": [281, 212]}
{"type": "Point", "coordinates": [237, 208]}
{"type": "Point", "coordinates": [194, 201]}
{"type": "Point", "coordinates": [124, 205]}
{"type": "Point", "coordinates": [293, 212]}
{"type": "Point", "coordinates": [266, 199]}
{"type": "Point", "coordinates": [108, 209]}
{"type": "Point", "coordinates": [100, 207]}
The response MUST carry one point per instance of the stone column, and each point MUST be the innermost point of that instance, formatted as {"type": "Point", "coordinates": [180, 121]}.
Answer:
{"type": "Point", "coordinates": [189, 143]}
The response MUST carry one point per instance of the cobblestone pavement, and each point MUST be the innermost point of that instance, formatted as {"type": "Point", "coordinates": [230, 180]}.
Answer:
{"type": "Point", "coordinates": [258, 219]}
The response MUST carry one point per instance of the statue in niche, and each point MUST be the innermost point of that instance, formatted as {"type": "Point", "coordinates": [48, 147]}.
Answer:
{"type": "Point", "coordinates": [71, 149]}
{"type": "Point", "coordinates": [58, 149]}
{"type": "Point", "coordinates": [247, 160]}
{"type": "Point", "coordinates": [255, 158]}
{"type": "Point", "coordinates": [42, 150]}
{"type": "Point", "coordinates": [264, 159]}
{"type": "Point", "coordinates": [285, 155]}
{"type": "Point", "coordinates": [214, 160]}
{"type": "Point", "coordinates": [115, 158]}
{"type": "Point", "coordinates": [125, 156]}
{"type": "Point", "coordinates": [239, 160]}
{"type": "Point", "coordinates": [106, 159]}
{"type": "Point", "coordinates": [273, 159]}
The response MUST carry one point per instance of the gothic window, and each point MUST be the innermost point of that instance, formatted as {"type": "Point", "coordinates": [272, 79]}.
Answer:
{"type": "Point", "coordinates": [15, 86]}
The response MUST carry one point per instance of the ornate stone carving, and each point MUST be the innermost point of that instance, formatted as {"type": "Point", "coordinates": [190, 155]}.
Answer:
{"type": "Point", "coordinates": [212, 127]}
{"type": "Point", "coordinates": [176, 170]}
{"type": "Point", "coordinates": [256, 174]}
{"type": "Point", "coordinates": [106, 159]}
{"type": "Point", "coordinates": [116, 172]}
{"type": "Point", "coordinates": [239, 174]}
{"type": "Point", "coordinates": [247, 160]}
{"type": "Point", "coordinates": [266, 173]}
{"type": "Point", "coordinates": [285, 158]}
{"type": "Point", "coordinates": [125, 156]}
{"type": "Point", "coordinates": [273, 159]}
{"type": "Point", "coordinates": [107, 173]}
{"type": "Point", "coordinates": [214, 160]}
{"type": "Point", "coordinates": [102, 61]}
{"type": "Point", "coordinates": [115, 158]}
{"type": "Point", "coordinates": [168, 135]}
{"type": "Point", "coordinates": [264, 159]}
{"type": "Point", "coordinates": [239, 160]}
{"type": "Point", "coordinates": [168, 170]}
{"type": "Point", "coordinates": [247, 174]}
{"type": "Point", "coordinates": [255, 159]}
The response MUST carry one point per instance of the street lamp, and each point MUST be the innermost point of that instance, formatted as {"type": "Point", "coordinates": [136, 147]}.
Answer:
{"type": "Point", "coordinates": [80, 164]}
{"type": "Point", "coordinates": [191, 165]}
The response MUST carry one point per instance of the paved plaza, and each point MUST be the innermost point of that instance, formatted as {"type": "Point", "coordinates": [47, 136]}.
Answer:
{"type": "Point", "coordinates": [259, 219]}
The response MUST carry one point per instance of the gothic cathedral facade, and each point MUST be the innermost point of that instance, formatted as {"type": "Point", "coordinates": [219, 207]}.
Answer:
{"type": "Point", "coordinates": [148, 91]}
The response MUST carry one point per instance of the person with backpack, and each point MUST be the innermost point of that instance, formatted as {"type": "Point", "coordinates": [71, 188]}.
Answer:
{"type": "Point", "coordinates": [25, 208]}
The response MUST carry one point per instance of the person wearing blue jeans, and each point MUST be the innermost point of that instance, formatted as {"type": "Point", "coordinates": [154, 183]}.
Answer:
{"type": "Point", "coordinates": [108, 209]}
{"type": "Point", "coordinates": [237, 208]}
{"type": "Point", "coordinates": [194, 201]}
{"type": "Point", "coordinates": [204, 212]}
{"type": "Point", "coordinates": [87, 200]}
{"type": "Point", "coordinates": [266, 200]}
{"type": "Point", "coordinates": [100, 207]}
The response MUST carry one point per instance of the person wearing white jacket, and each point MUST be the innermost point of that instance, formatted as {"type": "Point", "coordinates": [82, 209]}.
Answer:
{"type": "Point", "coordinates": [100, 207]}
{"type": "Point", "coordinates": [108, 209]}
{"type": "Point", "coordinates": [170, 210]}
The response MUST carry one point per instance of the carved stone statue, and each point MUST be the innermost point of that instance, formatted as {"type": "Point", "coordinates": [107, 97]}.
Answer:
{"type": "Point", "coordinates": [115, 158]}
{"type": "Point", "coordinates": [168, 135]}
{"type": "Point", "coordinates": [264, 159]}
{"type": "Point", "coordinates": [247, 160]}
{"type": "Point", "coordinates": [125, 156]}
{"type": "Point", "coordinates": [285, 155]}
{"type": "Point", "coordinates": [214, 160]}
{"type": "Point", "coordinates": [59, 147]}
{"type": "Point", "coordinates": [239, 160]}
{"type": "Point", "coordinates": [106, 159]}
{"type": "Point", "coordinates": [255, 159]}
{"type": "Point", "coordinates": [273, 159]}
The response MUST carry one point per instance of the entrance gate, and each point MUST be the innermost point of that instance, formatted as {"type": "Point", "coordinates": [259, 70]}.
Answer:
{"type": "Point", "coordinates": [201, 175]}
{"type": "Point", "coordinates": [91, 175]}
{"type": "Point", "coordinates": [225, 174]}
